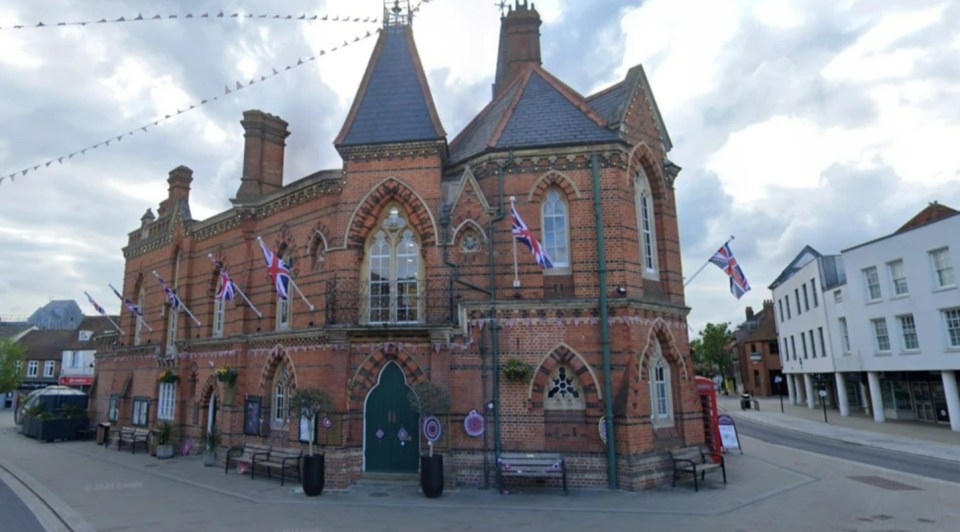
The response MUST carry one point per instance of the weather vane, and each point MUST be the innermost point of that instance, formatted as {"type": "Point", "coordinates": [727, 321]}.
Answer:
{"type": "Point", "coordinates": [503, 7]}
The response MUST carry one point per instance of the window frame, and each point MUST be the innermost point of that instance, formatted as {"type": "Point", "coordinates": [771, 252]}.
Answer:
{"type": "Point", "coordinates": [938, 269]}
{"type": "Point", "coordinates": [646, 225]}
{"type": "Point", "coordinates": [33, 368]}
{"type": "Point", "coordinates": [394, 290]}
{"type": "Point", "coordinates": [166, 401]}
{"type": "Point", "coordinates": [49, 366]}
{"type": "Point", "coordinates": [113, 407]}
{"type": "Point", "coordinates": [140, 411]}
{"type": "Point", "coordinates": [560, 264]}
{"type": "Point", "coordinates": [898, 273]}
{"type": "Point", "coordinates": [844, 334]}
{"type": "Point", "coordinates": [280, 398]}
{"type": "Point", "coordinates": [659, 380]}
{"type": "Point", "coordinates": [813, 288]}
{"type": "Point", "coordinates": [951, 316]}
{"type": "Point", "coordinates": [557, 405]}
{"type": "Point", "coordinates": [875, 325]}
{"type": "Point", "coordinates": [871, 280]}
{"type": "Point", "coordinates": [905, 335]}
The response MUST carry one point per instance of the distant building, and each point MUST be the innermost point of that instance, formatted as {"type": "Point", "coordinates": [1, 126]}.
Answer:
{"type": "Point", "coordinates": [758, 351]}
{"type": "Point", "coordinates": [12, 331]}
{"type": "Point", "coordinates": [891, 321]}
{"type": "Point", "coordinates": [63, 315]}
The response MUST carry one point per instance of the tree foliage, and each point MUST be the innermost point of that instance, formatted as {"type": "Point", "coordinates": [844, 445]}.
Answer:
{"type": "Point", "coordinates": [429, 399]}
{"type": "Point", "coordinates": [308, 403]}
{"type": "Point", "coordinates": [711, 348]}
{"type": "Point", "coordinates": [10, 375]}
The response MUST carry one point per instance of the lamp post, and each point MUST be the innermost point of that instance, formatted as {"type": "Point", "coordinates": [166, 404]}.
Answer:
{"type": "Point", "coordinates": [823, 395]}
{"type": "Point", "coordinates": [779, 380]}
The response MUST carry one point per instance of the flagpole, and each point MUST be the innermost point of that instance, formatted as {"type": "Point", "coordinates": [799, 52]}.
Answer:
{"type": "Point", "coordinates": [516, 276]}
{"type": "Point", "coordinates": [696, 273]}
{"type": "Point", "coordinates": [105, 316]}
{"type": "Point", "coordinates": [297, 288]}
{"type": "Point", "coordinates": [182, 304]}
{"type": "Point", "coordinates": [237, 287]}
{"type": "Point", "coordinates": [139, 315]}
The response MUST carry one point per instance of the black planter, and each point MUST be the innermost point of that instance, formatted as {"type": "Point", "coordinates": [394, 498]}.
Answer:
{"type": "Point", "coordinates": [312, 477]}
{"type": "Point", "coordinates": [431, 475]}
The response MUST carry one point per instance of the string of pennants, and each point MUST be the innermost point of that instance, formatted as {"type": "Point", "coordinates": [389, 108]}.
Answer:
{"type": "Point", "coordinates": [275, 71]}
{"type": "Point", "coordinates": [227, 90]}
{"type": "Point", "coordinates": [261, 351]}
{"type": "Point", "coordinates": [577, 320]}
{"type": "Point", "coordinates": [187, 16]}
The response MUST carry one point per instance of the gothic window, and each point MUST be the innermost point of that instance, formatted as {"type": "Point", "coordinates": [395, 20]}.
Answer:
{"type": "Point", "coordinates": [319, 252]}
{"type": "Point", "coordinates": [563, 391]}
{"type": "Point", "coordinates": [281, 397]}
{"type": "Point", "coordinates": [661, 408]}
{"type": "Point", "coordinates": [556, 232]}
{"type": "Point", "coordinates": [646, 226]}
{"type": "Point", "coordinates": [394, 273]}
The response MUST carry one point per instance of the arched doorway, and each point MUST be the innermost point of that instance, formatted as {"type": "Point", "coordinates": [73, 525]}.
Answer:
{"type": "Point", "coordinates": [212, 411]}
{"type": "Point", "coordinates": [391, 427]}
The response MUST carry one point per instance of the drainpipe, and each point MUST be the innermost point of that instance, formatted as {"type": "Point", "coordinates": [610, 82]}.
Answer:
{"type": "Point", "coordinates": [604, 327]}
{"type": "Point", "coordinates": [494, 326]}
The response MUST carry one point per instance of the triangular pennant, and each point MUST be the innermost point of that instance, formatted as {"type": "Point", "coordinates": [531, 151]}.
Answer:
{"type": "Point", "coordinates": [40, 24]}
{"type": "Point", "coordinates": [144, 128]}
{"type": "Point", "coordinates": [119, 138]}
{"type": "Point", "coordinates": [189, 15]}
{"type": "Point", "coordinates": [204, 15]}
{"type": "Point", "coordinates": [1, 177]}
{"type": "Point", "coordinates": [157, 17]}
{"type": "Point", "coordinates": [301, 17]}
{"type": "Point", "coordinates": [226, 89]}
{"type": "Point", "coordinates": [60, 160]}
{"type": "Point", "coordinates": [107, 143]}
{"type": "Point", "coordinates": [299, 61]}
{"type": "Point", "coordinates": [220, 14]}
{"type": "Point", "coordinates": [262, 78]}
{"type": "Point", "coordinates": [203, 102]}
{"type": "Point", "coordinates": [239, 86]}
{"type": "Point", "coordinates": [139, 17]}
{"type": "Point", "coordinates": [275, 72]}
{"type": "Point", "coordinates": [121, 19]}
{"type": "Point", "coordinates": [47, 164]}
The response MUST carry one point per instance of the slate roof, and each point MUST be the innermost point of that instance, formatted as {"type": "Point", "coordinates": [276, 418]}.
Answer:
{"type": "Point", "coordinates": [12, 329]}
{"type": "Point", "coordinates": [62, 314]}
{"type": "Point", "coordinates": [45, 345]}
{"type": "Point", "coordinates": [607, 101]}
{"type": "Point", "coordinates": [393, 102]}
{"type": "Point", "coordinates": [535, 110]}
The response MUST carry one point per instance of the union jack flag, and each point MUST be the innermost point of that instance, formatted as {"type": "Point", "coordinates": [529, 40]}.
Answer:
{"type": "Point", "coordinates": [278, 270]}
{"type": "Point", "coordinates": [227, 289]}
{"type": "Point", "coordinates": [725, 260]}
{"type": "Point", "coordinates": [95, 305]}
{"type": "Point", "coordinates": [129, 304]}
{"type": "Point", "coordinates": [171, 294]}
{"type": "Point", "coordinates": [522, 233]}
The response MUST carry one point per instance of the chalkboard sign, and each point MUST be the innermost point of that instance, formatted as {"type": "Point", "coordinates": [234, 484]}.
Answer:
{"type": "Point", "coordinates": [728, 433]}
{"type": "Point", "coordinates": [251, 415]}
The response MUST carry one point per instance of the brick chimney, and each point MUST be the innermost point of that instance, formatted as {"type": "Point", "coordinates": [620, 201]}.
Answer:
{"type": "Point", "coordinates": [264, 141]}
{"type": "Point", "coordinates": [179, 181]}
{"type": "Point", "coordinates": [519, 43]}
{"type": "Point", "coordinates": [749, 313]}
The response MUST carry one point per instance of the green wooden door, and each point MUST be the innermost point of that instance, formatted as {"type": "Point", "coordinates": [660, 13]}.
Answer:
{"type": "Point", "coordinates": [391, 426]}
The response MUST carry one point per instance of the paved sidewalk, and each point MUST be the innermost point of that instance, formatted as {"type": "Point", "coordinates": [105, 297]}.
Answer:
{"type": "Point", "coordinates": [925, 439]}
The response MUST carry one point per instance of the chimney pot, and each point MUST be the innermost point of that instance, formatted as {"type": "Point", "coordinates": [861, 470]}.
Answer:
{"type": "Point", "coordinates": [263, 151]}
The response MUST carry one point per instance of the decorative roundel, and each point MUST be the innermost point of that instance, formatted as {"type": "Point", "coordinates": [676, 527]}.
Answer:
{"type": "Point", "coordinates": [603, 429]}
{"type": "Point", "coordinates": [432, 428]}
{"type": "Point", "coordinates": [403, 434]}
{"type": "Point", "coordinates": [326, 423]}
{"type": "Point", "coordinates": [473, 424]}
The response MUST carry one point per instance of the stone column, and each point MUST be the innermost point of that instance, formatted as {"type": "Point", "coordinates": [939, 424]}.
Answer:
{"type": "Point", "coordinates": [953, 398]}
{"type": "Point", "coordinates": [876, 400]}
{"type": "Point", "coordinates": [808, 389]}
{"type": "Point", "coordinates": [791, 389]}
{"type": "Point", "coordinates": [842, 401]}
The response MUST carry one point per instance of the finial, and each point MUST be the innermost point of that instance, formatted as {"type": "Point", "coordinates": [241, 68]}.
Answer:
{"type": "Point", "coordinates": [503, 8]}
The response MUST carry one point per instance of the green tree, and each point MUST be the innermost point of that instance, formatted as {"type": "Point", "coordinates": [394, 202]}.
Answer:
{"type": "Point", "coordinates": [712, 348]}
{"type": "Point", "coordinates": [10, 375]}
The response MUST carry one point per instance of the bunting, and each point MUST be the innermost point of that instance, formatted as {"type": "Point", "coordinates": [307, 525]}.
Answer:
{"type": "Point", "coordinates": [303, 17]}
{"type": "Point", "coordinates": [275, 71]}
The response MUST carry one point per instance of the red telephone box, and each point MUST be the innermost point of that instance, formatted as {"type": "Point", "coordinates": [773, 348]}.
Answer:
{"type": "Point", "coordinates": [707, 391]}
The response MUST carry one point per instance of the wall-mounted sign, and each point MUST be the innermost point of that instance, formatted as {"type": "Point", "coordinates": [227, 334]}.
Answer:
{"type": "Point", "coordinates": [76, 380]}
{"type": "Point", "coordinates": [473, 424]}
{"type": "Point", "coordinates": [251, 415]}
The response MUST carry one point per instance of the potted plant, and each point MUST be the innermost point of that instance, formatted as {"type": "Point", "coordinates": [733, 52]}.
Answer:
{"type": "Point", "coordinates": [430, 400]}
{"type": "Point", "coordinates": [211, 440]}
{"type": "Point", "coordinates": [168, 376]}
{"type": "Point", "coordinates": [308, 403]}
{"type": "Point", "coordinates": [227, 374]}
{"type": "Point", "coordinates": [164, 432]}
{"type": "Point", "coordinates": [516, 370]}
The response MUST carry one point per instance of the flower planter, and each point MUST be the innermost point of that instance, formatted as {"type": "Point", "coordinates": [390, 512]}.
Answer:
{"type": "Point", "coordinates": [431, 475]}
{"type": "Point", "coordinates": [165, 451]}
{"type": "Point", "coordinates": [209, 458]}
{"type": "Point", "coordinates": [312, 476]}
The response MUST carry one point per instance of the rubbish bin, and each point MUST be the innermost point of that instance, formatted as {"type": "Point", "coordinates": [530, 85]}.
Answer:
{"type": "Point", "coordinates": [103, 432]}
{"type": "Point", "coordinates": [745, 401]}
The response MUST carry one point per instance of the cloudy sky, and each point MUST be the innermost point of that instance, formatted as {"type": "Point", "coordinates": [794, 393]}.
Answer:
{"type": "Point", "coordinates": [820, 122]}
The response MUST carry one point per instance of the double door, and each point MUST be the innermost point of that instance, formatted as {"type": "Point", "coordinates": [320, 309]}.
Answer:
{"type": "Point", "coordinates": [391, 426]}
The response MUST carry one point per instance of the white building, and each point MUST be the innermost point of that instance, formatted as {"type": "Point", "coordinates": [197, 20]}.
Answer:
{"type": "Point", "coordinates": [891, 328]}
{"type": "Point", "coordinates": [78, 362]}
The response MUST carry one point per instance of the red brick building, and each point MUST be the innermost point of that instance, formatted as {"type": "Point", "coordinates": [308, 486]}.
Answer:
{"type": "Point", "coordinates": [406, 256]}
{"type": "Point", "coordinates": [758, 352]}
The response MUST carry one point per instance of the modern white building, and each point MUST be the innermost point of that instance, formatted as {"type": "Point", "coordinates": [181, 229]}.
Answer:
{"type": "Point", "coordinates": [78, 362]}
{"type": "Point", "coordinates": [890, 320]}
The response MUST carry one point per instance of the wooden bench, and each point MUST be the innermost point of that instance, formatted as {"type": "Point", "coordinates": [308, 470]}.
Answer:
{"type": "Point", "coordinates": [531, 465]}
{"type": "Point", "coordinates": [246, 454]}
{"type": "Point", "coordinates": [695, 461]}
{"type": "Point", "coordinates": [280, 460]}
{"type": "Point", "coordinates": [132, 436]}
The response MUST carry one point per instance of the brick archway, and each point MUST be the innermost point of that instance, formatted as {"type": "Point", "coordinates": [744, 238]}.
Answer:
{"type": "Point", "coordinates": [668, 348]}
{"type": "Point", "coordinates": [553, 179]}
{"type": "Point", "coordinates": [564, 355]}
{"type": "Point", "coordinates": [368, 212]}
{"type": "Point", "coordinates": [278, 357]}
{"type": "Point", "coordinates": [365, 378]}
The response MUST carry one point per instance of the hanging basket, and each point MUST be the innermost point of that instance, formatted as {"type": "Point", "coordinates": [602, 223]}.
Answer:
{"type": "Point", "coordinates": [227, 375]}
{"type": "Point", "coordinates": [168, 377]}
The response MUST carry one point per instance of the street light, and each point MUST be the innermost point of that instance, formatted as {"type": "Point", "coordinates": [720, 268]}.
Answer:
{"type": "Point", "coordinates": [779, 380]}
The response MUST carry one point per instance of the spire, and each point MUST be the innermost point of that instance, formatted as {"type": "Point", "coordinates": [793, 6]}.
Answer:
{"type": "Point", "coordinates": [393, 103]}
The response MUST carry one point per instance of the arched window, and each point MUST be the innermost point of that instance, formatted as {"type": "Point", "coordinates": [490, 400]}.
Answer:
{"type": "Point", "coordinates": [661, 407]}
{"type": "Point", "coordinates": [563, 391]}
{"type": "Point", "coordinates": [646, 226]}
{"type": "Point", "coordinates": [394, 273]}
{"type": "Point", "coordinates": [556, 229]}
{"type": "Point", "coordinates": [280, 398]}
